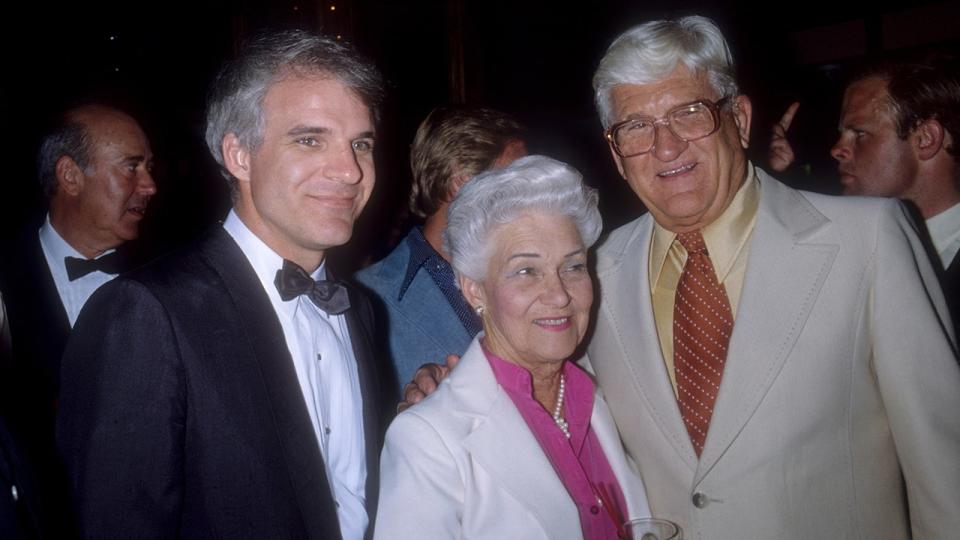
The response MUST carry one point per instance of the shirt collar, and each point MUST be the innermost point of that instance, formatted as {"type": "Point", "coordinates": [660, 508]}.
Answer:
{"type": "Point", "coordinates": [420, 252]}
{"type": "Point", "coordinates": [945, 233]}
{"type": "Point", "coordinates": [264, 260]}
{"type": "Point", "coordinates": [518, 380]}
{"type": "Point", "coordinates": [725, 237]}
{"type": "Point", "coordinates": [59, 248]}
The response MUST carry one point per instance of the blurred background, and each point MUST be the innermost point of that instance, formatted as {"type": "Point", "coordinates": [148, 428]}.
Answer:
{"type": "Point", "coordinates": [534, 59]}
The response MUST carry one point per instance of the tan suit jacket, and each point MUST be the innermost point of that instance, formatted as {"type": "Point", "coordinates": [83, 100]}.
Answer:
{"type": "Point", "coordinates": [464, 464]}
{"type": "Point", "coordinates": [839, 410]}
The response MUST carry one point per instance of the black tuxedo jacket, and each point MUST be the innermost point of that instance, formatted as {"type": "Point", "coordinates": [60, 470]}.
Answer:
{"type": "Point", "coordinates": [39, 329]}
{"type": "Point", "coordinates": [39, 326]}
{"type": "Point", "coordinates": [181, 415]}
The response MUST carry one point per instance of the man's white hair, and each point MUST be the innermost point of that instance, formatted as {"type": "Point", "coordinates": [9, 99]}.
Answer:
{"type": "Point", "coordinates": [647, 53]}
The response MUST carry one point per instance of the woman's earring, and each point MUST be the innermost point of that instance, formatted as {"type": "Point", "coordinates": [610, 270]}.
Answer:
{"type": "Point", "coordinates": [478, 310]}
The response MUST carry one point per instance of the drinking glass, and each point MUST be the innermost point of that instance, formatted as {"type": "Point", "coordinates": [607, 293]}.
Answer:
{"type": "Point", "coordinates": [652, 529]}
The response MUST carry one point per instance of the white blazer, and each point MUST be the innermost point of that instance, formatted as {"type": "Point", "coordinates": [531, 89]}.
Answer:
{"type": "Point", "coordinates": [464, 464]}
{"type": "Point", "coordinates": [839, 410]}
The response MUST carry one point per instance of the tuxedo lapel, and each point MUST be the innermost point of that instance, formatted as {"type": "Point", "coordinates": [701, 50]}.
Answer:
{"type": "Point", "coordinates": [359, 321]}
{"type": "Point", "coordinates": [264, 337]}
{"type": "Point", "coordinates": [784, 275]}
{"type": "Point", "coordinates": [626, 280]}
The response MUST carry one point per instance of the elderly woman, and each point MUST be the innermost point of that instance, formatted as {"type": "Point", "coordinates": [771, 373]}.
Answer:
{"type": "Point", "coordinates": [516, 442]}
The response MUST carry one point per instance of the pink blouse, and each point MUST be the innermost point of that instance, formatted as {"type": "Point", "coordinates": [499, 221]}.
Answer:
{"type": "Point", "coordinates": [579, 461]}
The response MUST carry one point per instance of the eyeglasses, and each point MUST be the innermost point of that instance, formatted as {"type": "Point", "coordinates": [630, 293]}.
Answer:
{"type": "Point", "coordinates": [689, 122]}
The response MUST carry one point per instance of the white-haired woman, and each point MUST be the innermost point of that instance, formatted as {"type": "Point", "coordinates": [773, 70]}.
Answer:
{"type": "Point", "coordinates": [516, 442]}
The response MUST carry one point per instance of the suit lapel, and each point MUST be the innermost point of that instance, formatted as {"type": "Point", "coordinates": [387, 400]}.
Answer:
{"type": "Point", "coordinates": [626, 279]}
{"type": "Point", "coordinates": [785, 272]}
{"type": "Point", "coordinates": [360, 323]}
{"type": "Point", "coordinates": [500, 436]}
{"type": "Point", "coordinates": [269, 353]}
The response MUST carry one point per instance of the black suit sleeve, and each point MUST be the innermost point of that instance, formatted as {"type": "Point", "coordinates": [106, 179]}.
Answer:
{"type": "Point", "coordinates": [122, 416]}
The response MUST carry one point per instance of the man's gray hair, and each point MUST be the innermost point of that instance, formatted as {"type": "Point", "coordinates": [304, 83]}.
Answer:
{"type": "Point", "coordinates": [493, 198]}
{"type": "Point", "coordinates": [648, 53]}
{"type": "Point", "coordinates": [235, 103]}
{"type": "Point", "coordinates": [70, 138]}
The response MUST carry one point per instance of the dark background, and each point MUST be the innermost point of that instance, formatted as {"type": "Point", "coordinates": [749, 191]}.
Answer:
{"type": "Point", "coordinates": [533, 59]}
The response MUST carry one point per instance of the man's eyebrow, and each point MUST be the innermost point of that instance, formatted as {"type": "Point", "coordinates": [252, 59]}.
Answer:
{"type": "Point", "coordinates": [307, 130]}
{"type": "Point", "coordinates": [366, 135]}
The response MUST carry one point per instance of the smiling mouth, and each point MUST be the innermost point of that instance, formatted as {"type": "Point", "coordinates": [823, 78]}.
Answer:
{"type": "Point", "coordinates": [137, 210]}
{"type": "Point", "coordinates": [679, 170]}
{"type": "Point", "coordinates": [560, 323]}
{"type": "Point", "coordinates": [334, 201]}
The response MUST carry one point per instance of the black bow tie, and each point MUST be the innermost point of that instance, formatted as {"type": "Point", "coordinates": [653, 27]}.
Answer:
{"type": "Point", "coordinates": [328, 295]}
{"type": "Point", "coordinates": [110, 263]}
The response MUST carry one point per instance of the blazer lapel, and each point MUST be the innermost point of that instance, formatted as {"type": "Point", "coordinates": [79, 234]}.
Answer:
{"type": "Point", "coordinates": [783, 279]}
{"type": "Point", "coordinates": [626, 278]}
{"type": "Point", "coordinates": [265, 339]}
{"type": "Point", "coordinates": [500, 436]}
{"type": "Point", "coordinates": [630, 483]}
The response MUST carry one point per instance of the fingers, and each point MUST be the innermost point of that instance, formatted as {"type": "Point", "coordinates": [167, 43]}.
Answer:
{"type": "Point", "coordinates": [411, 396]}
{"type": "Point", "coordinates": [425, 381]}
{"type": "Point", "coordinates": [452, 361]}
{"type": "Point", "coordinates": [781, 155]}
{"type": "Point", "coordinates": [787, 119]}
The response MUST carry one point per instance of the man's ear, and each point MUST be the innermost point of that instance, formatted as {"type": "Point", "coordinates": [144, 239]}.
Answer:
{"type": "Point", "coordinates": [928, 138]}
{"type": "Point", "coordinates": [69, 175]}
{"type": "Point", "coordinates": [742, 116]}
{"type": "Point", "coordinates": [236, 157]}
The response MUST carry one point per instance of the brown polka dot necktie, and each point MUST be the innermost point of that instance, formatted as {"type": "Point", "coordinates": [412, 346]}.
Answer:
{"type": "Point", "coordinates": [702, 324]}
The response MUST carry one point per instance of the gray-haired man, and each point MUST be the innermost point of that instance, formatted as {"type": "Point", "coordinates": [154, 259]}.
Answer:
{"type": "Point", "coordinates": [773, 359]}
{"type": "Point", "coordinates": [221, 391]}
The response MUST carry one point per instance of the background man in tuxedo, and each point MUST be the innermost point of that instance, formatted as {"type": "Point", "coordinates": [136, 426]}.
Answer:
{"type": "Point", "coordinates": [94, 167]}
{"type": "Point", "coordinates": [898, 130]}
{"type": "Point", "coordinates": [422, 313]}
{"type": "Point", "coordinates": [220, 391]}
{"type": "Point", "coordinates": [774, 359]}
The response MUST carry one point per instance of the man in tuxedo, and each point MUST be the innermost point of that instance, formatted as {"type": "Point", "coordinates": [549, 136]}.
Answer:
{"type": "Point", "coordinates": [95, 170]}
{"type": "Point", "coordinates": [422, 313]}
{"type": "Point", "coordinates": [774, 359]}
{"type": "Point", "coordinates": [898, 130]}
{"type": "Point", "coordinates": [228, 390]}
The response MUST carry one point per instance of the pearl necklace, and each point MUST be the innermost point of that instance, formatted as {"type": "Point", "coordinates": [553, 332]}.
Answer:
{"type": "Point", "coordinates": [557, 417]}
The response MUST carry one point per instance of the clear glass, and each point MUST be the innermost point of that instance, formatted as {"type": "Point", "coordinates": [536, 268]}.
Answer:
{"type": "Point", "coordinates": [688, 122]}
{"type": "Point", "coordinates": [652, 529]}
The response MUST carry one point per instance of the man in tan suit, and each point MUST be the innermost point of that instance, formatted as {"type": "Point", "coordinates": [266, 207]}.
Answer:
{"type": "Point", "coordinates": [820, 398]}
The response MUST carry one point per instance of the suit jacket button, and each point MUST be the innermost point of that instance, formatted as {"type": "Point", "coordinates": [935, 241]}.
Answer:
{"type": "Point", "coordinates": [700, 500]}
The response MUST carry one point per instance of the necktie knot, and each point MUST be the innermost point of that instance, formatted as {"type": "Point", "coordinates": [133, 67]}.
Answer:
{"type": "Point", "coordinates": [329, 295]}
{"type": "Point", "coordinates": [692, 242]}
{"type": "Point", "coordinates": [77, 268]}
